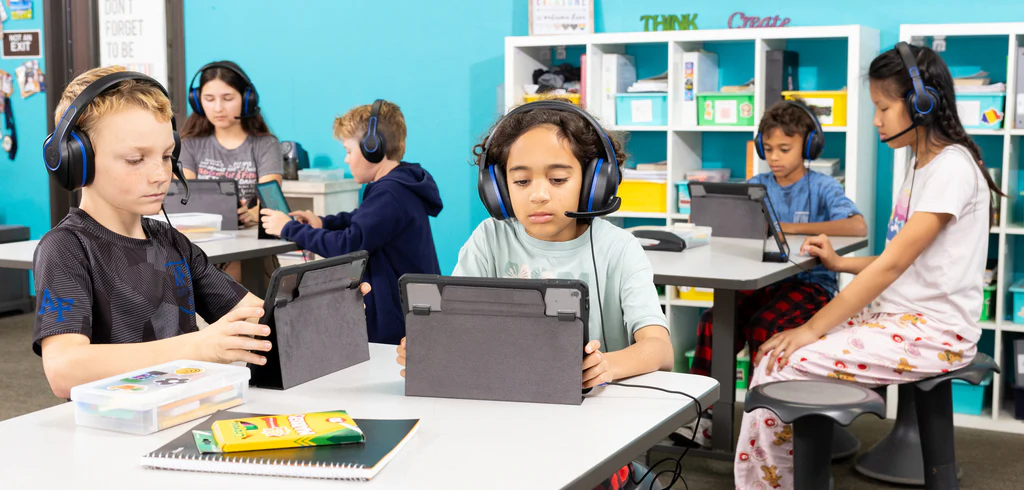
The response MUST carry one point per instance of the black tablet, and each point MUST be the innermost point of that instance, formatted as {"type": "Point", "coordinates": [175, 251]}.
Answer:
{"type": "Point", "coordinates": [215, 196]}
{"type": "Point", "coordinates": [495, 338]}
{"type": "Point", "coordinates": [317, 321]}
{"type": "Point", "coordinates": [739, 210]}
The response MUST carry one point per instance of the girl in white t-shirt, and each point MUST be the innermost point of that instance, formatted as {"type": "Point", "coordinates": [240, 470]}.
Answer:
{"type": "Point", "coordinates": [912, 312]}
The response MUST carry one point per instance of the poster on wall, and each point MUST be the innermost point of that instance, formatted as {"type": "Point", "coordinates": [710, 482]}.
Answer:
{"type": "Point", "coordinates": [30, 78]}
{"type": "Point", "coordinates": [133, 33]}
{"type": "Point", "coordinates": [561, 17]}
{"type": "Point", "coordinates": [20, 9]}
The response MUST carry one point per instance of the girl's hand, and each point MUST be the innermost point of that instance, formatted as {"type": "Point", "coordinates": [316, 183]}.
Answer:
{"type": "Point", "coordinates": [821, 247]}
{"type": "Point", "coordinates": [784, 344]}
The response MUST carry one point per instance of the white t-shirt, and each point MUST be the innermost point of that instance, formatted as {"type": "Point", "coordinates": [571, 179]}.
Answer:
{"type": "Point", "coordinates": [945, 282]}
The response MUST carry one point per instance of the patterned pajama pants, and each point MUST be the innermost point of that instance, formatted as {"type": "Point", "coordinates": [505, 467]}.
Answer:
{"type": "Point", "coordinates": [872, 349]}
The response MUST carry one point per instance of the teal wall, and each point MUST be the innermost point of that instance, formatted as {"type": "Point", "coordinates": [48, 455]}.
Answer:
{"type": "Point", "coordinates": [442, 62]}
{"type": "Point", "coordinates": [25, 199]}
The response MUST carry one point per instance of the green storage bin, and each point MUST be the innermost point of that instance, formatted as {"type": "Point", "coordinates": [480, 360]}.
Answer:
{"type": "Point", "coordinates": [986, 305]}
{"type": "Point", "coordinates": [725, 109]}
{"type": "Point", "coordinates": [742, 369]}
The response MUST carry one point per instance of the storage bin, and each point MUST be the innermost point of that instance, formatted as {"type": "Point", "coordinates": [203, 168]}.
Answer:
{"type": "Point", "coordinates": [725, 109]}
{"type": "Point", "coordinates": [683, 193]}
{"type": "Point", "coordinates": [641, 109]}
{"type": "Point", "coordinates": [643, 196]}
{"type": "Point", "coordinates": [742, 369]}
{"type": "Point", "coordinates": [986, 305]}
{"type": "Point", "coordinates": [322, 174]}
{"type": "Point", "coordinates": [192, 222]}
{"type": "Point", "coordinates": [981, 110]}
{"type": "Point", "coordinates": [970, 399]}
{"type": "Point", "coordinates": [709, 175]}
{"type": "Point", "coordinates": [696, 294]}
{"type": "Point", "coordinates": [828, 105]}
{"type": "Point", "coordinates": [1017, 290]}
{"type": "Point", "coordinates": [155, 398]}
{"type": "Point", "coordinates": [574, 98]}
{"type": "Point", "coordinates": [827, 166]}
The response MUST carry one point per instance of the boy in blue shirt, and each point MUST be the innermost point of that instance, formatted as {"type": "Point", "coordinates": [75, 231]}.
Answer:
{"type": "Point", "coordinates": [793, 190]}
{"type": "Point", "coordinates": [392, 223]}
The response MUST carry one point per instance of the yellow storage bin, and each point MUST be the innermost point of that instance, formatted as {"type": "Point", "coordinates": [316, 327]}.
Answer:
{"type": "Point", "coordinates": [696, 294]}
{"type": "Point", "coordinates": [642, 196]}
{"type": "Point", "coordinates": [829, 105]}
{"type": "Point", "coordinates": [574, 98]}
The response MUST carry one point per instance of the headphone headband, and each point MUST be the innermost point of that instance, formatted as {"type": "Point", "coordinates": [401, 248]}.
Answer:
{"type": "Point", "coordinates": [74, 112]}
{"type": "Point", "coordinates": [227, 65]}
{"type": "Point", "coordinates": [609, 150]}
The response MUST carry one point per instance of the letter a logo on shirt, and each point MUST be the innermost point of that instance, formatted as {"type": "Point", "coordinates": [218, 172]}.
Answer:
{"type": "Point", "coordinates": [51, 304]}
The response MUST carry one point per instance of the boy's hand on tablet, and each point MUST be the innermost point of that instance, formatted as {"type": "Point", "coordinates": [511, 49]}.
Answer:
{"type": "Point", "coordinates": [401, 355]}
{"type": "Point", "coordinates": [596, 370]}
{"type": "Point", "coordinates": [228, 339]}
{"type": "Point", "coordinates": [307, 217]}
{"type": "Point", "coordinates": [821, 247]}
{"type": "Point", "coordinates": [365, 289]}
{"type": "Point", "coordinates": [274, 221]}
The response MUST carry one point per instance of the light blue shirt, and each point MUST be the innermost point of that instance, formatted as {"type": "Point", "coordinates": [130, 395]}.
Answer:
{"type": "Point", "coordinates": [817, 194]}
{"type": "Point", "coordinates": [630, 300]}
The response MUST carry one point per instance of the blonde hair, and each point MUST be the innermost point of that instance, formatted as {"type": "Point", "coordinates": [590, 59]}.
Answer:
{"type": "Point", "coordinates": [390, 123]}
{"type": "Point", "coordinates": [129, 93]}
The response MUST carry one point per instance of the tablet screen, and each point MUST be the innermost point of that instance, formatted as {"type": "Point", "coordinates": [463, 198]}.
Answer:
{"type": "Point", "coordinates": [271, 196]}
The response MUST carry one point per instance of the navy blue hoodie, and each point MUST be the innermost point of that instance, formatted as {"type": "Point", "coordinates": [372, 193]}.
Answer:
{"type": "Point", "coordinates": [392, 226]}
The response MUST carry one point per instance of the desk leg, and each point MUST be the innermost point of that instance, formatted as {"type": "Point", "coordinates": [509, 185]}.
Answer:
{"type": "Point", "coordinates": [252, 276]}
{"type": "Point", "coordinates": [723, 369]}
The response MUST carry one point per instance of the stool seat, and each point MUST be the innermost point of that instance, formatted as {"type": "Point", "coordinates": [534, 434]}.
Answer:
{"type": "Point", "coordinates": [814, 408]}
{"type": "Point", "coordinates": [924, 413]}
{"type": "Point", "coordinates": [838, 400]}
{"type": "Point", "coordinates": [973, 373]}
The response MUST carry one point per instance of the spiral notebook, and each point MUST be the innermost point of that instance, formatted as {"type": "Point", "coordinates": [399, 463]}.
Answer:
{"type": "Point", "coordinates": [384, 438]}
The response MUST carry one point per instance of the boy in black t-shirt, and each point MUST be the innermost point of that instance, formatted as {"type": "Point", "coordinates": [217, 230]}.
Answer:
{"type": "Point", "coordinates": [115, 291]}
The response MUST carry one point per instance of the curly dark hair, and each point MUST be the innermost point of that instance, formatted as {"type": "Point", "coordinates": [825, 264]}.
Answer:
{"type": "Point", "coordinates": [584, 141]}
{"type": "Point", "coordinates": [787, 117]}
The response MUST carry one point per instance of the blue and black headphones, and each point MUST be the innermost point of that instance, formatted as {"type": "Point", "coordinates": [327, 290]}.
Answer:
{"type": "Point", "coordinates": [815, 143]}
{"type": "Point", "coordinates": [601, 176]}
{"type": "Point", "coordinates": [923, 101]}
{"type": "Point", "coordinates": [373, 137]}
{"type": "Point", "coordinates": [250, 97]}
{"type": "Point", "coordinates": [67, 151]}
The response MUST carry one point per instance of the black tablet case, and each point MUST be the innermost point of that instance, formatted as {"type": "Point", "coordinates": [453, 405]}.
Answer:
{"type": "Point", "coordinates": [214, 196]}
{"type": "Point", "coordinates": [317, 321]}
{"type": "Point", "coordinates": [495, 339]}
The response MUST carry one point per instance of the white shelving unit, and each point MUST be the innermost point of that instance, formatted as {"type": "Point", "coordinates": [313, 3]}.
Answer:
{"type": "Point", "coordinates": [1008, 36]}
{"type": "Point", "coordinates": [684, 144]}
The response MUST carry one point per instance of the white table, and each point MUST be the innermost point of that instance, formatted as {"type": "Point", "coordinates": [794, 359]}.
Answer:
{"type": "Point", "coordinates": [459, 444]}
{"type": "Point", "coordinates": [729, 265]}
{"type": "Point", "coordinates": [244, 247]}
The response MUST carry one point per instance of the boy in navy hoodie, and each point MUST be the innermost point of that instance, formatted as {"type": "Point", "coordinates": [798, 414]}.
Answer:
{"type": "Point", "coordinates": [392, 223]}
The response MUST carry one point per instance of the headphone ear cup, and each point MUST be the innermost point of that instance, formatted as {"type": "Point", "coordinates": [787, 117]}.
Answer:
{"type": "Point", "coordinates": [251, 102]}
{"type": "Point", "coordinates": [372, 146]}
{"type": "Point", "coordinates": [193, 100]}
{"type": "Point", "coordinates": [759, 146]}
{"type": "Point", "coordinates": [79, 161]}
{"type": "Point", "coordinates": [493, 190]}
{"type": "Point", "coordinates": [601, 180]}
{"type": "Point", "coordinates": [815, 145]}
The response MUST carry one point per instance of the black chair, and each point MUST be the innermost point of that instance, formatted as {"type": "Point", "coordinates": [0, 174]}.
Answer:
{"type": "Point", "coordinates": [924, 419]}
{"type": "Point", "coordinates": [814, 408]}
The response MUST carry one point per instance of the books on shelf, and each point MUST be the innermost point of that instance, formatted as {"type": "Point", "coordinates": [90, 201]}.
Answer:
{"type": "Point", "coordinates": [657, 83]}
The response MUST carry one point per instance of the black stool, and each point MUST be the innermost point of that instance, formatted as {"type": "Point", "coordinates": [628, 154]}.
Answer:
{"type": "Point", "coordinates": [814, 408]}
{"type": "Point", "coordinates": [924, 418]}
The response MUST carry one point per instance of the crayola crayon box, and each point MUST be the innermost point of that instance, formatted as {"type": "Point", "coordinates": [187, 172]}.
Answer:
{"type": "Point", "coordinates": [157, 397]}
{"type": "Point", "coordinates": [284, 431]}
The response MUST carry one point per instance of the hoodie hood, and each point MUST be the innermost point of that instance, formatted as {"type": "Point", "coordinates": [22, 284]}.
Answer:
{"type": "Point", "coordinates": [418, 181]}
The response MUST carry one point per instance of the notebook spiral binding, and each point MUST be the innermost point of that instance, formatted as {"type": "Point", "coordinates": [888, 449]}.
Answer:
{"type": "Point", "coordinates": [218, 463]}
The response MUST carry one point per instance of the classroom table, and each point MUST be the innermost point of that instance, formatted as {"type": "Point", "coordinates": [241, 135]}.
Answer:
{"type": "Point", "coordinates": [459, 443]}
{"type": "Point", "coordinates": [243, 246]}
{"type": "Point", "coordinates": [729, 265]}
